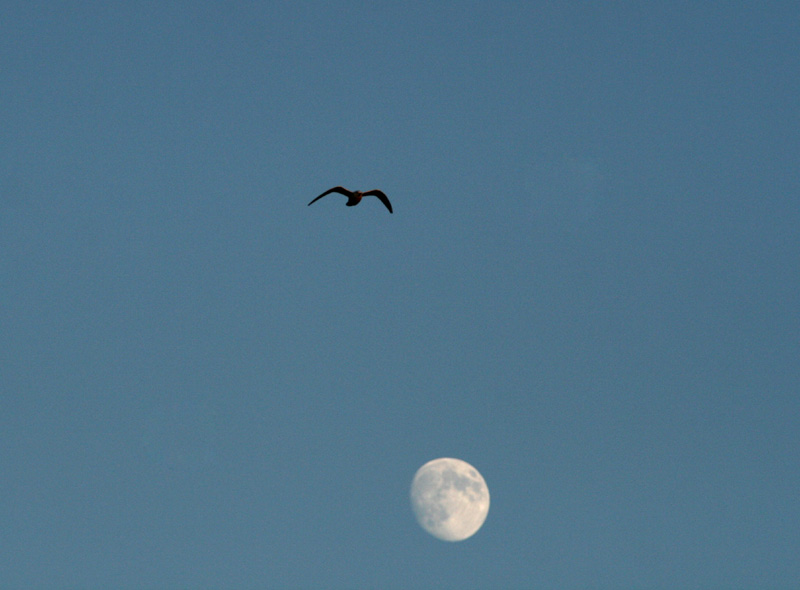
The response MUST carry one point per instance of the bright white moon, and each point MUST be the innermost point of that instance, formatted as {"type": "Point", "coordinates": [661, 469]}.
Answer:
{"type": "Point", "coordinates": [450, 499]}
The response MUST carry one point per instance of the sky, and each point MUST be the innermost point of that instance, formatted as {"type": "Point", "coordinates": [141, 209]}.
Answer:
{"type": "Point", "coordinates": [588, 290]}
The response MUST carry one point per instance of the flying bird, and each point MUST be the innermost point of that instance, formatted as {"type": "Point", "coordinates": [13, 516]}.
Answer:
{"type": "Point", "coordinates": [354, 197]}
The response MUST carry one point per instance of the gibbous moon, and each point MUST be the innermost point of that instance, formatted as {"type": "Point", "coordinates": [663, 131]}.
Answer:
{"type": "Point", "coordinates": [450, 499]}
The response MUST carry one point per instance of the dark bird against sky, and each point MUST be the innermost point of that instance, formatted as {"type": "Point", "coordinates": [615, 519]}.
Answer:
{"type": "Point", "coordinates": [354, 197]}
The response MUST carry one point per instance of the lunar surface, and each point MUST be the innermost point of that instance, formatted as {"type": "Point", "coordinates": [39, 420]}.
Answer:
{"type": "Point", "coordinates": [450, 499]}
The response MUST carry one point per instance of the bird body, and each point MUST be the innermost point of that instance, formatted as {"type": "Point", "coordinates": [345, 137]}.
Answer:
{"type": "Point", "coordinates": [354, 197]}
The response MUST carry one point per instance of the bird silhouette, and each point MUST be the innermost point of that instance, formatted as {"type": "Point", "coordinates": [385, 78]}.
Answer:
{"type": "Point", "coordinates": [354, 197]}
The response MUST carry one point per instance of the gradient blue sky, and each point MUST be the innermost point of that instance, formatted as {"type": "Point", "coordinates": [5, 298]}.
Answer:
{"type": "Point", "coordinates": [588, 290]}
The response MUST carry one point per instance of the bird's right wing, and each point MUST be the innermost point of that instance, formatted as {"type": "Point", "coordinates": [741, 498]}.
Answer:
{"type": "Point", "coordinates": [382, 196]}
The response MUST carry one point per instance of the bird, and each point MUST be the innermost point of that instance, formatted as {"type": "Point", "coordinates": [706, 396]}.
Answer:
{"type": "Point", "coordinates": [354, 197]}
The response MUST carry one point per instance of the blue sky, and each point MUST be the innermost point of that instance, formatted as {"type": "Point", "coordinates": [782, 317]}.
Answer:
{"type": "Point", "coordinates": [588, 290]}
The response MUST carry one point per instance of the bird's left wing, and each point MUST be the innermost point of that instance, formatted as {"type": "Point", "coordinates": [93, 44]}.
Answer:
{"type": "Point", "coordinates": [337, 189]}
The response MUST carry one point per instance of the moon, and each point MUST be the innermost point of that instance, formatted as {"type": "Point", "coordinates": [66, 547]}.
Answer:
{"type": "Point", "coordinates": [450, 499]}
